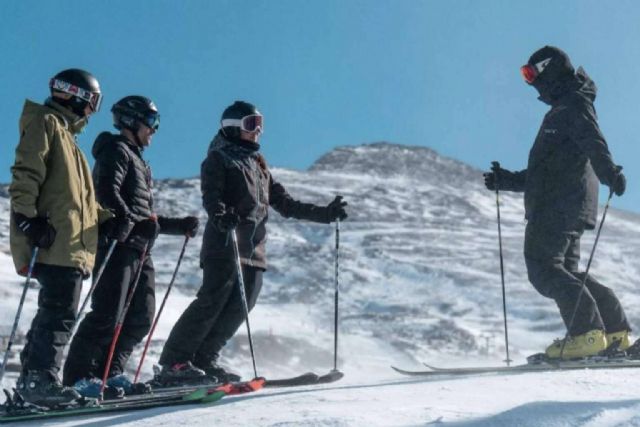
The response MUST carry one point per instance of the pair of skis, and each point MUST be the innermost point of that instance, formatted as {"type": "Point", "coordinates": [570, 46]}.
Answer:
{"type": "Point", "coordinates": [15, 410]}
{"type": "Point", "coordinates": [594, 362]}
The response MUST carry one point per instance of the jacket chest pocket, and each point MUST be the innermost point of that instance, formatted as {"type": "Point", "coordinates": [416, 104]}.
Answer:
{"type": "Point", "coordinates": [548, 143]}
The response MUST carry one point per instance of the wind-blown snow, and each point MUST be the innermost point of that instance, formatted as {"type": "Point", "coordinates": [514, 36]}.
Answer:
{"type": "Point", "coordinates": [420, 281]}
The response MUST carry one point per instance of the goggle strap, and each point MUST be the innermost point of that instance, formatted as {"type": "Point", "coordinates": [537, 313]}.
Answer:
{"type": "Point", "coordinates": [231, 123]}
{"type": "Point", "coordinates": [94, 98]}
{"type": "Point", "coordinates": [239, 123]}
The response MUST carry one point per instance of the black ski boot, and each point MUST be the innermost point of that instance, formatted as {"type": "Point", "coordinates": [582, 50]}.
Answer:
{"type": "Point", "coordinates": [179, 374]}
{"type": "Point", "coordinates": [633, 351]}
{"type": "Point", "coordinates": [217, 372]}
{"type": "Point", "coordinates": [45, 389]}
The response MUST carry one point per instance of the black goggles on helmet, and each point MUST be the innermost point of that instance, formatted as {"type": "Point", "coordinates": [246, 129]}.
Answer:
{"type": "Point", "coordinates": [251, 123]}
{"type": "Point", "coordinates": [93, 98]}
{"type": "Point", "coordinates": [151, 120]}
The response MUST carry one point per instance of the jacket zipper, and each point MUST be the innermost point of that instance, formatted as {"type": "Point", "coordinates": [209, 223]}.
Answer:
{"type": "Point", "coordinates": [82, 196]}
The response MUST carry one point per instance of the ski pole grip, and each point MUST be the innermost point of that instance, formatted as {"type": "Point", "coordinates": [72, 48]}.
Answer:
{"type": "Point", "coordinates": [495, 168]}
{"type": "Point", "coordinates": [618, 171]}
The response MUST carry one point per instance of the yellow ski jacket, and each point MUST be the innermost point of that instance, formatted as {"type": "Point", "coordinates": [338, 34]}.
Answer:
{"type": "Point", "coordinates": [51, 178]}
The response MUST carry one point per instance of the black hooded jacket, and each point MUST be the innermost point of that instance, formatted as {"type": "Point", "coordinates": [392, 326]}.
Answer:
{"type": "Point", "coordinates": [234, 176]}
{"type": "Point", "coordinates": [568, 158]}
{"type": "Point", "coordinates": [123, 184]}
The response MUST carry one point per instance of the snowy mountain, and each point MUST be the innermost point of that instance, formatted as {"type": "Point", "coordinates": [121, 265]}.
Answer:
{"type": "Point", "coordinates": [419, 276]}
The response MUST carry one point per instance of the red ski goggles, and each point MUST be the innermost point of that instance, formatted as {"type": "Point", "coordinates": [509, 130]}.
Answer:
{"type": "Point", "coordinates": [93, 98]}
{"type": "Point", "coordinates": [252, 123]}
{"type": "Point", "coordinates": [530, 72]}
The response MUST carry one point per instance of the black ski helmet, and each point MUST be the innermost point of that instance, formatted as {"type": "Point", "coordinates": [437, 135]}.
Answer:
{"type": "Point", "coordinates": [557, 69]}
{"type": "Point", "coordinates": [82, 85]}
{"type": "Point", "coordinates": [237, 111]}
{"type": "Point", "coordinates": [132, 110]}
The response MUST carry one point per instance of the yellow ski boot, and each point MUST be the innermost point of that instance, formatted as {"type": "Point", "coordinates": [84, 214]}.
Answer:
{"type": "Point", "coordinates": [622, 336]}
{"type": "Point", "coordinates": [584, 345]}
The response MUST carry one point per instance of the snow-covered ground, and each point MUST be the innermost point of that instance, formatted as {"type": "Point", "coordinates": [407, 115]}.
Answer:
{"type": "Point", "coordinates": [420, 281]}
{"type": "Point", "coordinates": [588, 399]}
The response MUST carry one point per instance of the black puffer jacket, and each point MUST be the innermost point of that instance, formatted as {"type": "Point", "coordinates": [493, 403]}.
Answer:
{"type": "Point", "coordinates": [568, 158]}
{"type": "Point", "coordinates": [123, 185]}
{"type": "Point", "coordinates": [235, 176]}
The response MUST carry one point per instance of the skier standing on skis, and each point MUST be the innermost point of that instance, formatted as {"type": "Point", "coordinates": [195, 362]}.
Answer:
{"type": "Point", "coordinates": [237, 190]}
{"type": "Point", "coordinates": [123, 185]}
{"type": "Point", "coordinates": [560, 184]}
{"type": "Point", "coordinates": [53, 207]}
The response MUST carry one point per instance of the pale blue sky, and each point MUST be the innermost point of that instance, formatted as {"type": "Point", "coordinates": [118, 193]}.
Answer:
{"type": "Point", "coordinates": [443, 74]}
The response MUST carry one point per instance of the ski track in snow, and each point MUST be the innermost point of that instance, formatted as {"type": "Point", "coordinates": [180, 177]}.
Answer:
{"type": "Point", "coordinates": [420, 281]}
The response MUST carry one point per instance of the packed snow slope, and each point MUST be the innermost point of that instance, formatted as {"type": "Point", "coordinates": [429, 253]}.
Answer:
{"type": "Point", "coordinates": [419, 281]}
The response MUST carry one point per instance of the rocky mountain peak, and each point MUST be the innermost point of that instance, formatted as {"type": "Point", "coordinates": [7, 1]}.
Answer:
{"type": "Point", "coordinates": [388, 160]}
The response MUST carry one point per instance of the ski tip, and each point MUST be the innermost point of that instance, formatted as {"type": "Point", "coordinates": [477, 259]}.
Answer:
{"type": "Point", "coordinates": [309, 375]}
{"type": "Point", "coordinates": [405, 372]}
{"type": "Point", "coordinates": [333, 375]}
{"type": "Point", "coordinates": [308, 378]}
{"type": "Point", "coordinates": [430, 366]}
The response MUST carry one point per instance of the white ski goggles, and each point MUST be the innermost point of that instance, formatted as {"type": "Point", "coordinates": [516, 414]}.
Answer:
{"type": "Point", "coordinates": [252, 123]}
{"type": "Point", "coordinates": [93, 98]}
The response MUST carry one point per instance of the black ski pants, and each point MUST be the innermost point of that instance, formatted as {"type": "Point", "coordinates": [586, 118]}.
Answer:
{"type": "Point", "coordinates": [552, 255]}
{"type": "Point", "coordinates": [90, 346]}
{"type": "Point", "coordinates": [214, 316]}
{"type": "Point", "coordinates": [51, 327]}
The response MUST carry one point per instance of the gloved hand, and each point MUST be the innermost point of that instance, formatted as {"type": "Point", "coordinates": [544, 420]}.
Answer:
{"type": "Point", "coordinates": [37, 229]}
{"type": "Point", "coordinates": [147, 229]}
{"type": "Point", "coordinates": [619, 184]}
{"type": "Point", "coordinates": [335, 210]}
{"type": "Point", "coordinates": [189, 225]}
{"type": "Point", "coordinates": [497, 177]}
{"type": "Point", "coordinates": [490, 180]}
{"type": "Point", "coordinates": [227, 221]}
{"type": "Point", "coordinates": [117, 228]}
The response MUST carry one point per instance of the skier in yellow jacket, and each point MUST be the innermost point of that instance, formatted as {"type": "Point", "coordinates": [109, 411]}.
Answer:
{"type": "Point", "coordinates": [53, 207]}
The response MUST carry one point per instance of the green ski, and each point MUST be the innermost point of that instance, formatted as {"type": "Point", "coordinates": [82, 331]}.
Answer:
{"type": "Point", "coordinates": [200, 396]}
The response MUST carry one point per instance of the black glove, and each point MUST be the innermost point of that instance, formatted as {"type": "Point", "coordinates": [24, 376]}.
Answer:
{"type": "Point", "coordinates": [147, 229]}
{"type": "Point", "coordinates": [37, 229]}
{"type": "Point", "coordinates": [490, 180]}
{"type": "Point", "coordinates": [335, 210]}
{"type": "Point", "coordinates": [620, 183]}
{"type": "Point", "coordinates": [226, 221]}
{"type": "Point", "coordinates": [497, 178]}
{"type": "Point", "coordinates": [189, 225]}
{"type": "Point", "coordinates": [117, 228]}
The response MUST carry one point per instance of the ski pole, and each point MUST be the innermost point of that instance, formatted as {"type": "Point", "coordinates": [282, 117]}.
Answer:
{"type": "Point", "coordinates": [336, 297]}
{"type": "Point", "coordinates": [495, 166]}
{"type": "Point", "coordinates": [32, 263]}
{"type": "Point", "coordinates": [243, 297]}
{"type": "Point", "coordinates": [586, 273]}
{"type": "Point", "coordinates": [121, 318]}
{"type": "Point", "coordinates": [164, 300]}
{"type": "Point", "coordinates": [96, 279]}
